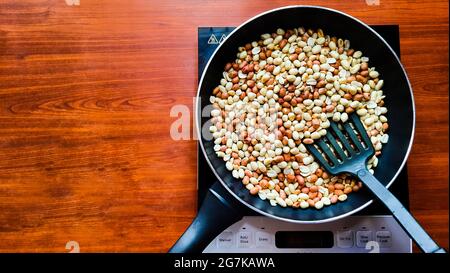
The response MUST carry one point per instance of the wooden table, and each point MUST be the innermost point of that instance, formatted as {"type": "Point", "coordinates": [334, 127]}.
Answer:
{"type": "Point", "coordinates": [85, 96]}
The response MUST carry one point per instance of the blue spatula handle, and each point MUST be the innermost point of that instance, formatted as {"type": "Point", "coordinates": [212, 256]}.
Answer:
{"type": "Point", "coordinates": [404, 218]}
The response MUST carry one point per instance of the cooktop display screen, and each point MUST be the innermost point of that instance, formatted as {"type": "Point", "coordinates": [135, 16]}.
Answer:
{"type": "Point", "coordinates": [304, 239]}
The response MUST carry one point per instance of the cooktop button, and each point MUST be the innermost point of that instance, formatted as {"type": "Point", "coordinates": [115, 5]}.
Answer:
{"type": "Point", "coordinates": [244, 239]}
{"type": "Point", "coordinates": [384, 238]}
{"type": "Point", "coordinates": [225, 239]}
{"type": "Point", "coordinates": [363, 237]}
{"type": "Point", "coordinates": [345, 238]}
{"type": "Point", "coordinates": [263, 239]}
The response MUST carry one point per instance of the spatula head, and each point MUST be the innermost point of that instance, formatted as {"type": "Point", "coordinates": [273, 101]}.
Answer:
{"type": "Point", "coordinates": [345, 148]}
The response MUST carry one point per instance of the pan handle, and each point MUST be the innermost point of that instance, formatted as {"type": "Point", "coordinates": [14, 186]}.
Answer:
{"type": "Point", "coordinates": [215, 215]}
{"type": "Point", "coordinates": [401, 214]}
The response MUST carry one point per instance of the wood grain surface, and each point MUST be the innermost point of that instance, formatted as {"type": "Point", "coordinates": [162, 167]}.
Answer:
{"type": "Point", "coordinates": [85, 97]}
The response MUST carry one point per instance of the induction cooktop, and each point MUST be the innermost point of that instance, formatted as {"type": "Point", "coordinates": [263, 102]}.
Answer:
{"type": "Point", "coordinates": [371, 229]}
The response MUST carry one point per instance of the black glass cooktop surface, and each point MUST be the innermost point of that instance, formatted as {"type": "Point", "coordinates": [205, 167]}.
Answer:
{"type": "Point", "coordinates": [208, 40]}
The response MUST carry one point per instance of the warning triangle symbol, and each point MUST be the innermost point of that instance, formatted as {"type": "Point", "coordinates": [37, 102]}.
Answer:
{"type": "Point", "coordinates": [222, 38]}
{"type": "Point", "coordinates": [212, 39]}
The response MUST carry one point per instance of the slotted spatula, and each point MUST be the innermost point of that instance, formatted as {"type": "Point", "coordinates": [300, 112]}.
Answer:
{"type": "Point", "coordinates": [351, 158]}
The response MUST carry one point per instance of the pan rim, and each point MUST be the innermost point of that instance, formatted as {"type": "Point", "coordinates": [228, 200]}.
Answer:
{"type": "Point", "coordinates": [198, 118]}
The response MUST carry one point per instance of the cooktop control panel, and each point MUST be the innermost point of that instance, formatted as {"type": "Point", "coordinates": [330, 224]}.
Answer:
{"type": "Point", "coordinates": [353, 234]}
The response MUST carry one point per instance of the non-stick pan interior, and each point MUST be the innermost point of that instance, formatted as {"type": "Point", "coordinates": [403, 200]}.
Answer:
{"type": "Point", "coordinates": [398, 100]}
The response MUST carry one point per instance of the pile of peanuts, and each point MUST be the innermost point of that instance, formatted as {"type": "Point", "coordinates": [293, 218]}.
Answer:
{"type": "Point", "coordinates": [278, 95]}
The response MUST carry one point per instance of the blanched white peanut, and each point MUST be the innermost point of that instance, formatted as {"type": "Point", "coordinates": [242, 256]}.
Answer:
{"type": "Point", "coordinates": [373, 74]}
{"type": "Point", "coordinates": [281, 202]}
{"type": "Point", "coordinates": [326, 201]}
{"type": "Point", "coordinates": [304, 204]}
{"type": "Point", "coordinates": [318, 204]}
{"type": "Point", "coordinates": [342, 197]}
{"type": "Point", "coordinates": [303, 196]}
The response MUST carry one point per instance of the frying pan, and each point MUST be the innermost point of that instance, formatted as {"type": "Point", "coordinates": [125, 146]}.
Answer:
{"type": "Point", "coordinates": [219, 210]}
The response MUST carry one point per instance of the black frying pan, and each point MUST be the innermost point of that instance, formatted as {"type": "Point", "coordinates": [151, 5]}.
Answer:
{"type": "Point", "coordinates": [219, 212]}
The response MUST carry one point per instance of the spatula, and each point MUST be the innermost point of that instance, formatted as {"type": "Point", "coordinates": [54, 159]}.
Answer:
{"type": "Point", "coordinates": [351, 157]}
